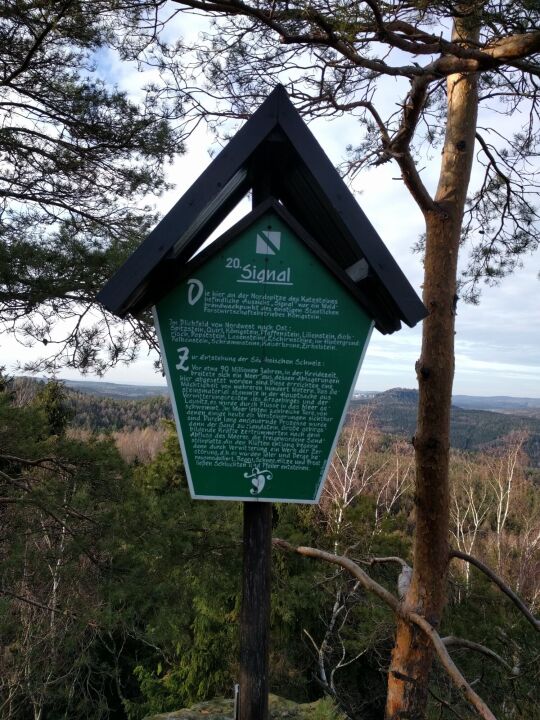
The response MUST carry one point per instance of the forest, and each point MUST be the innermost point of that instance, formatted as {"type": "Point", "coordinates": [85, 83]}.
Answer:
{"type": "Point", "coordinates": [120, 595]}
{"type": "Point", "coordinates": [394, 412]}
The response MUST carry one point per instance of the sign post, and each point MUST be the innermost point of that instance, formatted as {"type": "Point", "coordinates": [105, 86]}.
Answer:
{"type": "Point", "coordinates": [255, 612]}
{"type": "Point", "coordinates": [262, 334]}
{"type": "Point", "coordinates": [254, 635]}
{"type": "Point", "coordinates": [262, 345]}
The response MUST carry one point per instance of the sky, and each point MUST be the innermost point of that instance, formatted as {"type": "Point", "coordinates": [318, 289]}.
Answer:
{"type": "Point", "coordinates": [497, 342]}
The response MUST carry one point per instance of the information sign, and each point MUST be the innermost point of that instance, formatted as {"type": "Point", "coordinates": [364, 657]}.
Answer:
{"type": "Point", "coordinates": [262, 344]}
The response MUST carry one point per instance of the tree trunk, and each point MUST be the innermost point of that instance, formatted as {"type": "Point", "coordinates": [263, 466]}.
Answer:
{"type": "Point", "coordinates": [412, 656]}
{"type": "Point", "coordinates": [255, 613]}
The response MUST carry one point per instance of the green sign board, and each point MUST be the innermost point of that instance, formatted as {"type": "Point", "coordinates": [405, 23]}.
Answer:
{"type": "Point", "coordinates": [262, 344]}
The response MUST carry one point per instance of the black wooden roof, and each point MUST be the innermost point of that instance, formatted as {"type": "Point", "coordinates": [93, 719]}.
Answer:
{"type": "Point", "coordinates": [275, 151]}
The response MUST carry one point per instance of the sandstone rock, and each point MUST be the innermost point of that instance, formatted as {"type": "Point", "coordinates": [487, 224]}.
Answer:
{"type": "Point", "coordinates": [280, 708]}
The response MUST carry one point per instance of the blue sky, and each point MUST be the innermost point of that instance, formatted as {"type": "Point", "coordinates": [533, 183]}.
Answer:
{"type": "Point", "coordinates": [497, 342]}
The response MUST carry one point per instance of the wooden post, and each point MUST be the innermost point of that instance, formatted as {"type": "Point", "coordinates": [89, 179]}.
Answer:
{"type": "Point", "coordinates": [257, 565]}
{"type": "Point", "coordinates": [255, 613]}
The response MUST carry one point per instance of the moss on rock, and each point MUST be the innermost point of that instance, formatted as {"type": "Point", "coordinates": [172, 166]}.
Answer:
{"type": "Point", "coordinates": [279, 708]}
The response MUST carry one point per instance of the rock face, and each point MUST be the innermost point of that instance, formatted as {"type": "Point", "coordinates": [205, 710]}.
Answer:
{"type": "Point", "coordinates": [279, 708]}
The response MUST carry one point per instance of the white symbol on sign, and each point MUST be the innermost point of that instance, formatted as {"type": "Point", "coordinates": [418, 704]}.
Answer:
{"type": "Point", "coordinates": [195, 290]}
{"type": "Point", "coordinates": [268, 242]}
{"type": "Point", "coordinates": [258, 479]}
{"type": "Point", "coordinates": [183, 356]}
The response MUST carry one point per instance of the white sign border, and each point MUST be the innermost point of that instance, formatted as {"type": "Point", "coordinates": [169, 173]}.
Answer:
{"type": "Point", "coordinates": [251, 498]}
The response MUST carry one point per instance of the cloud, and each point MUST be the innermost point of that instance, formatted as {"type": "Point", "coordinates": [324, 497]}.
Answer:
{"type": "Point", "coordinates": [497, 343]}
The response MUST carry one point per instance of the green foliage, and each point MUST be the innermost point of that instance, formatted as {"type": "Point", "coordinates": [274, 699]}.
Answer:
{"type": "Point", "coordinates": [485, 617]}
{"type": "Point", "coordinates": [79, 157]}
{"type": "Point", "coordinates": [53, 400]}
{"type": "Point", "coordinates": [147, 592]}
{"type": "Point", "coordinates": [58, 500]}
{"type": "Point", "coordinates": [106, 414]}
{"type": "Point", "coordinates": [327, 710]}
{"type": "Point", "coordinates": [98, 413]}
{"type": "Point", "coordinates": [180, 590]}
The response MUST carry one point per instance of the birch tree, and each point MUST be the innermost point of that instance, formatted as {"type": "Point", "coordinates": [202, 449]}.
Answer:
{"type": "Point", "coordinates": [470, 505]}
{"type": "Point", "coordinates": [350, 476]}
{"type": "Point", "coordinates": [506, 472]}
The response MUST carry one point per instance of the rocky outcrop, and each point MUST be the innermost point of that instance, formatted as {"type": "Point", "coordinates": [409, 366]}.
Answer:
{"type": "Point", "coordinates": [222, 709]}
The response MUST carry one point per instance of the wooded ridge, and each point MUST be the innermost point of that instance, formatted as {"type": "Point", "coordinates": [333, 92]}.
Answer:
{"type": "Point", "coordinates": [110, 408]}
{"type": "Point", "coordinates": [119, 595]}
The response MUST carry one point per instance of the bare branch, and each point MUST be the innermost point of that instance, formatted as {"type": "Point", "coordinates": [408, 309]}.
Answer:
{"type": "Point", "coordinates": [374, 560]}
{"type": "Point", "coordinates": [401, 611]}
{"type": "Point", "coordinates": [46, 608]}
{"type": "Point", "coordinates": [500, 584]}
{"type": "Point", "coordinates": [452, 641]}
{"type": "Point", "coordinates": [33, 463]}
{"type": "Point", "coordinates": [446, 704]}
{"type": "Point", "coordinates": [492, 159]}
{"type": "Point", "coordinates": [34, 603]}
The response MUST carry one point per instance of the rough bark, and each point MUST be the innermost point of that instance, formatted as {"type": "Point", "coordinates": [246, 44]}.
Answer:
{"type": "Point", "coordinates": [413, 654]}
{"type": "Point", "coordinates": [255, 614]}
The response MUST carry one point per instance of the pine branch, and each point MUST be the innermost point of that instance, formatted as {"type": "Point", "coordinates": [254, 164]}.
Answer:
{"type": "Point", "coordinates": [391, 559]}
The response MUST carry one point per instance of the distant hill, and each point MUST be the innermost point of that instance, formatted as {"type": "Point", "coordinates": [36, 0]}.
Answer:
{"type": "Point", "coordinates": [496, 402]}
{"type": "Point", "coordinates": [477, 422]}
{"type": "Point", "coordinates": [525, 407]}
{"type": "Point", "coordinates": [102, 413]}
{"type": "Point", "coordinates": [103, 407]}
{"type": "Point", "coordinates": [117, 390]}
{"type": "Point", "coordinates": [394, 412]}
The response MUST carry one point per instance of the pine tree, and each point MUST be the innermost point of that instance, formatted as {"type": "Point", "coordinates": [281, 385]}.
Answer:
{"type": "Point", "coordinates": [78, 159]}
{"type": "Point", "coordinates": [446, 60]}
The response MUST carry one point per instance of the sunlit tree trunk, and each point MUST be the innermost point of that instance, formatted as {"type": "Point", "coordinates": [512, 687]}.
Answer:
{"type": "Point", "coordinates": [412, 655]}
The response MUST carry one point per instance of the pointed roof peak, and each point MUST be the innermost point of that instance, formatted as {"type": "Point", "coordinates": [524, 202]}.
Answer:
{"type": "Point", "coordinates": [274, 154]}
